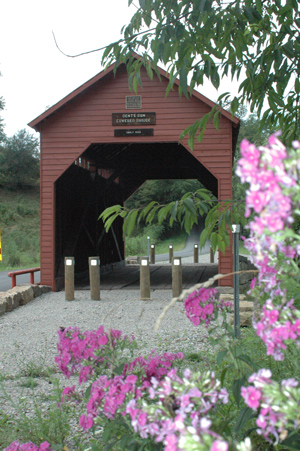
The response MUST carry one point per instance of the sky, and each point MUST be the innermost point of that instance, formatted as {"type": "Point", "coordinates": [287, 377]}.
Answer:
{"type": "Point", "coordinates": [35, 75]}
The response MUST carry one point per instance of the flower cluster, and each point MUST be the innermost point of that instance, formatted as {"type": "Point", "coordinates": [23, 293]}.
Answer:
{"type": "Point", "coordinates": [277, 404]}
{"type": "Point", "coordinates": [109, 395]}
{"type": "Point", "coordinates": [177, 408]}
{"type": "Point", "coordinates": [273, 195]}
{"type": "Point", "coordinates": [16, 446]}
{"type": "Point", "coordinates": [153, 366]}
{"type": "Point", "coordinates": [83, 352]}
{"type": "Point", "coordinates": [271, 188]}
{"type": "Point", "coordinates": [202, 307]}
{"type": "Point", "coordinates": [277, 325]}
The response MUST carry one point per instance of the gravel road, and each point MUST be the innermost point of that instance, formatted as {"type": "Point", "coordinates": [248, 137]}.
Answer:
{"type": "Point", "coordinates": [28, 338]}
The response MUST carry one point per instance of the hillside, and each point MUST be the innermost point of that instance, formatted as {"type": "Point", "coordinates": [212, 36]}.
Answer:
{"type": "Point", "coordinates": [20, 228]}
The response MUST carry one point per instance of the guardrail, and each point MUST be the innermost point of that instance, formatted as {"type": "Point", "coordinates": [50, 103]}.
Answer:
{"type": "Point", "coordinates": [14, 274]}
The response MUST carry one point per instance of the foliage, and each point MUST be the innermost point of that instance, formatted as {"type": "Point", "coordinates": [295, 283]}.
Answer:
{"type": "Point", "coordinates": [219, 216]}
{"type": "Point", "coordinates": [20, 228]}
{"type": "Point", "coordinates": [19, 161]}
{"type": "Point", "coordinates": [252, 41]}
{"type": "Point", "coordinates": [162, 191]}
{"type": "Point", "coordinates": [51, 425]}
{"type": "Point", "coordinates": [2, 134]}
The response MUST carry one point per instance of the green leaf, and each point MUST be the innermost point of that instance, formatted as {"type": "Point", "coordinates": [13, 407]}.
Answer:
{"type": "Point", "coordinates": [107, 431]}
{"type": "Point", "coordinates": [236, 389]}
{"type": "Point", "coordinates": [129, 222]}
{"type": "Point", "coordinates": [221, 243]}
{"type": "Point", "coordinates": [87, 393]}
{"type": "Point", "coordinates": [148, 208]}
{"type": "Point", "coordinates": [109, 211]}
{"type": "Point", "coordinates": [119, 369]}
{"type": "Point", "coordinates": [245, 358]}
{"type": "Point", "coordinates": [234, 105]}
{"type": "Point", "coordinates": [109, 445]}
{"type": "Point", "coordinates": [221, 355]}
{"type": "Point", "coordinates": [223, 374]}
{"type": "Point", "coordinates": [109, 221]}
{"type": "Point", "coordinates": [183, 80]}
{"type": "Point", "coordinates": [135, 84]}
{"type": "Point", "coordinates": [216, 120]}
{"type": "Point", "coordinates": [293, 440]}
{"type": "Point", "coordinates": [297, 85]}
{"type": "Point", "coordinates": [203, 238]}
{"type": "Point", "coordinates": [189, 205]}
{"type": "Point", "coordinates": [244, 415]}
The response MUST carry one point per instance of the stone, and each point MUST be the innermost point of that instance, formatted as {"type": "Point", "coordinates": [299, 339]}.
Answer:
{"type": "Point", "coordinates": [38, 290]}
{"type": "Point", "coordinates": [20, 295]}
{"type": "Point", "coordinates": [225, 290]}
{"type": "Point", "coordinates": [9, 303]}
{"type": "Point", "coordinates": [3, 306]}
{"type": "Point", "coordinates": [27, 296]}
{"type": "Point", "coordinates": [246, 314]}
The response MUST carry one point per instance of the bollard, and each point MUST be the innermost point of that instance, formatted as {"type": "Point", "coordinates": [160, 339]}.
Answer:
{"type": "Point", "coordinates": [69, 278]}
{"type": "Point", "coordinates": [170, 253]}
{"type": "Point", "coordinates": [196, 259]}
{"type": "Point", "coordinates": [152, 254]}
{"type": "Point", "coordinates": [145, 279]}
{"type": "Point", "coordinates": [176, 277]}
{"type": "Point", "coordinates": [236, 280]}
{"type": "Point", "coordinates": [148, 239]}
{"type": "Point", "coordinates": [212, 255]}
{"type": "Point", "coordinates": [94, 271]}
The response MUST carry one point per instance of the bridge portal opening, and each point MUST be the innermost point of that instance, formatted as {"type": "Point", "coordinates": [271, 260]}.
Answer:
{"type": "Point", "coordinates": [105, 175]}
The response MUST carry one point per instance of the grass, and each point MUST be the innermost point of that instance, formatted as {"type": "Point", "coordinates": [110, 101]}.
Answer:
{"type": "Point", "coordinates": [20, 229]}
{"type": "Point", "coordinates": [52, 423]}
{"type": "Point", "coordinates": [178, 243]}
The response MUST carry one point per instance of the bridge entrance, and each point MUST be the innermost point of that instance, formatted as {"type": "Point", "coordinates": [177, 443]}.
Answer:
{"type": "Point", "coordinates": [102, 142]}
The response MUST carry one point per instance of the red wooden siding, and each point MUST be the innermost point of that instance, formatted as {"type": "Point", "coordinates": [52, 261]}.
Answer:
{"type": "Point", "coordinates": [87, 118]}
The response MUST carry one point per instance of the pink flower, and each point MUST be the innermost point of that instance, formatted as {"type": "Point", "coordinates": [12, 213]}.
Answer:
{"type": "Point", "coordinates": [251, 396]}
{"type": "Point", "coordinates": [219, 445]}
{"type": "Point", "coordinates": [86, 421]}
{"type": "Point", "coordinates": [257, 200]}
{"type": "Point", "coordinates": [171, 443]}
{"type": "Point", "coordinates": [67, 391]}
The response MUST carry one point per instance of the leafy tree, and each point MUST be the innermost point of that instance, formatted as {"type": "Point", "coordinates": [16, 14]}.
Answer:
{"type": "Point", "coordinates": [2, 134]}
{"type": "Point", "coordinates": [19, 161]}
{"type": "Point", "coordinates": [256, 42]}
{"type": "Point", "coordinates": [162, 192]}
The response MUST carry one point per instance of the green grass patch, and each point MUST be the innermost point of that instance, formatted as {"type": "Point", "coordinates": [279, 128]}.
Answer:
{"type": "Point", "coordinates": [20, 229]}
{"type": "Point", "coordinates": [178, 243]}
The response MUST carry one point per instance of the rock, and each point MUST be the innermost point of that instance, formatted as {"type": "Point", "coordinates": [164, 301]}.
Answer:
{"type": "Point", "coordinates": [3, 305]}
{"type": "Point", "coordinates": [27, 296]}
{"type": "Point", "coordinates": [20, 295]}
{"type": "Point", "coordinates": [246, 314]}
{"type": "Point", "coordinates": [40, 289]}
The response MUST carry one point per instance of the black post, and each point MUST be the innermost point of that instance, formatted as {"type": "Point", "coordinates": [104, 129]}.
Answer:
{"type": "Point", "coordinates": [236, 279]}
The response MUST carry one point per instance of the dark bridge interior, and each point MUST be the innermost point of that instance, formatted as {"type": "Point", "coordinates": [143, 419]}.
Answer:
{"type": "Point", "coordinates": [105, 175]}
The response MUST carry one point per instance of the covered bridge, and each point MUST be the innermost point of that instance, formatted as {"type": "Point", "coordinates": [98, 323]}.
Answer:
{"type": "Point", "coordinates": [102, 142]}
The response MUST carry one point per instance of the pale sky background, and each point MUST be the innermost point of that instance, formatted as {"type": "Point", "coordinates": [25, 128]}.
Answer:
{"type": "Point", "coordinates": [35, 75]}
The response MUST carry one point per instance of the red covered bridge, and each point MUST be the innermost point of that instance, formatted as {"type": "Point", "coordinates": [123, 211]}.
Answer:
{"type": "Point", "coordinates": [100, 143]}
